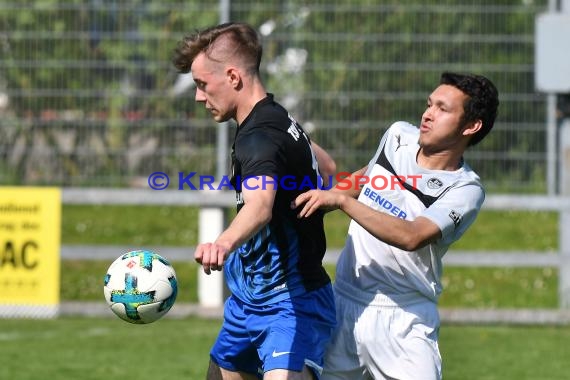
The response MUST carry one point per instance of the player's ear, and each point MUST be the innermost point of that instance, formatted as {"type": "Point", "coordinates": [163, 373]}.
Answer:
{"type": "Point", "coordinates": [473, 127]}
{"type": "Point", "coordinates": [233, 76]}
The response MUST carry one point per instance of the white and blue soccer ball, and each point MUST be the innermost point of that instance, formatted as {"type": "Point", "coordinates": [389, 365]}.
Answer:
{"type": "Point", "coordinates": [140, 286]}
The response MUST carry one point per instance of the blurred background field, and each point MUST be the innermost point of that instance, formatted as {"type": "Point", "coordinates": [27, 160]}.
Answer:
{"type": "Point", "coordinates": [177, 226]}
{"type": "Point", "coordinates": [98, 102]}
{"type": "Point", "coordinates": [140, 226]}
{"type": "Point", "coordinates": [92, 348]}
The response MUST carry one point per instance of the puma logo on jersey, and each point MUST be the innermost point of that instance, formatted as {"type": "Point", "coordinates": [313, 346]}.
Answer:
{"type": "Point", "coordinates": [398, 138]}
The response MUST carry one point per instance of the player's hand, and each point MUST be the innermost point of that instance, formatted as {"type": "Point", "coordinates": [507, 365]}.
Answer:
{"type": "Point", "coordinates": [211, 256]}
{"type": "Point", "coordinates": [312, 200]}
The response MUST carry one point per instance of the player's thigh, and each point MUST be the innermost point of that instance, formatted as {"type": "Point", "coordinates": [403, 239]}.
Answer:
{"type": "Point", "coordinates": [342, 361]}
{"type": "Point", "coordinates": [283, 374]}
{"type": "Point", "coordinates": [405, 342]}
{"type": "Point", "coordinates": [293, 333]}
{"type": "Point", "coordinates": [233, 350]}
{"type": "Point", "coordinates": [217, 373]}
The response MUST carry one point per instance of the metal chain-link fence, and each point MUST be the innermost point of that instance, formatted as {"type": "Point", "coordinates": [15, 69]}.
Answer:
{"type": "Point", "coordinates": [89, 97]}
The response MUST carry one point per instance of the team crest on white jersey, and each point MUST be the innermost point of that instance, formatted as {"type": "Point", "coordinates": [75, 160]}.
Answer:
{"type": "Point", "coordinates": [434, 183]}
{"type": "Point", "coordinates": [456, 217]}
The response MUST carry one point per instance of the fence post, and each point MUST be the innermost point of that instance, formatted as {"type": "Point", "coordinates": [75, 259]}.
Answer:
{"type": "Point", "coordinates": [564, 218]}
{"type": "Point", "coordinates": [211, 288]}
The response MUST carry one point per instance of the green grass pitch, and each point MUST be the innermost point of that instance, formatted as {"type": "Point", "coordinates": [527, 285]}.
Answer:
{"type": "Point", "coordinates": [90, 348]}
{"type": "Point", "coordinates": [108, 348]}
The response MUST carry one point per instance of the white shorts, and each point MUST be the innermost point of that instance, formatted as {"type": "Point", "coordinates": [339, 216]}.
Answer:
{"type": "Point", "coordinates": [384, 342]}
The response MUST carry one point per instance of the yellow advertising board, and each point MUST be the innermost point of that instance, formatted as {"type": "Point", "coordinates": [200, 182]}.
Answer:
{"type": "Point", "coordinates": [30, 231]}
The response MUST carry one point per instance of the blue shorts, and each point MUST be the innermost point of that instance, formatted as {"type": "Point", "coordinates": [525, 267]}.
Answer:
{"type": "Point", "coordinates": [286, 335]}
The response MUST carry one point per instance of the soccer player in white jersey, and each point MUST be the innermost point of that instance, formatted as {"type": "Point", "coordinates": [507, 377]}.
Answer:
{"type": "Point", "coordinates": [408, 205]}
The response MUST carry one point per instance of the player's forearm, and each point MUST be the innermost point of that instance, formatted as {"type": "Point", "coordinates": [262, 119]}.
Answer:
{"type": "Point", "coordinates": [400, 233]}
{"type": "Point", "coordinates": [350, 185]}
{"type": "Point", "coordinates": [246, 223]}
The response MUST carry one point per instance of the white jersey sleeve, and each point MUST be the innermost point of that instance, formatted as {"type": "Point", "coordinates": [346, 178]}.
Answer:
{"type": "Point", "coordinates": [456, 210]}
{"type": "Point", "coordinates": [376, 155]}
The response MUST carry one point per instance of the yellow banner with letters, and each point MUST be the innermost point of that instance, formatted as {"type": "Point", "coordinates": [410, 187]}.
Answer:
{"type": "Point", "coordinates": [30, 234]}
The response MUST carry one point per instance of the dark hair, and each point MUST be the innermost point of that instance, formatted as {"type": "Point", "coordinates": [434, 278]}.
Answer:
{"type": "Point", "coordinates": [220, 43]}
{"type": "Point", "coordinates": [482, 100]}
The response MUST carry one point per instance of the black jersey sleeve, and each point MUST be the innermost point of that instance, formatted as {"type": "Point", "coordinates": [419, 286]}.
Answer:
{"type": "Point", "coordinates": [261, 154]}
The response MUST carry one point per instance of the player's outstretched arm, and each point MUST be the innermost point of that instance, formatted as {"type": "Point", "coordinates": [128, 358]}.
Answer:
{"type": "Point", "coordinates": [256, 212]}
{"type": "Point", "coordinates": [352, 184]}
{"type": "Point", "coordinates": [312, 200]}
{"type": "Point", "coordinates": [404, 234]}
{"type": "Point", "coordinates": [330, 200]}
{"type": "Point", "coordinates": [408, 235]}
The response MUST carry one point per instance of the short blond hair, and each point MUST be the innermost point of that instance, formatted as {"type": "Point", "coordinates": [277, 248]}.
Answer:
{"type": "Point", "coordinates": [237, 43]}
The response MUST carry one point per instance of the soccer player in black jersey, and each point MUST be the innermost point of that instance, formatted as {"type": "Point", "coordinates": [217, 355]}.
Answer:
{"type": "Point", "coordinates": [281, 312]}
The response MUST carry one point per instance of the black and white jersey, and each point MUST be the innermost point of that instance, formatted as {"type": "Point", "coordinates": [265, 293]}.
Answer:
{"type": "Point", "coordinates": [397, 185]}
